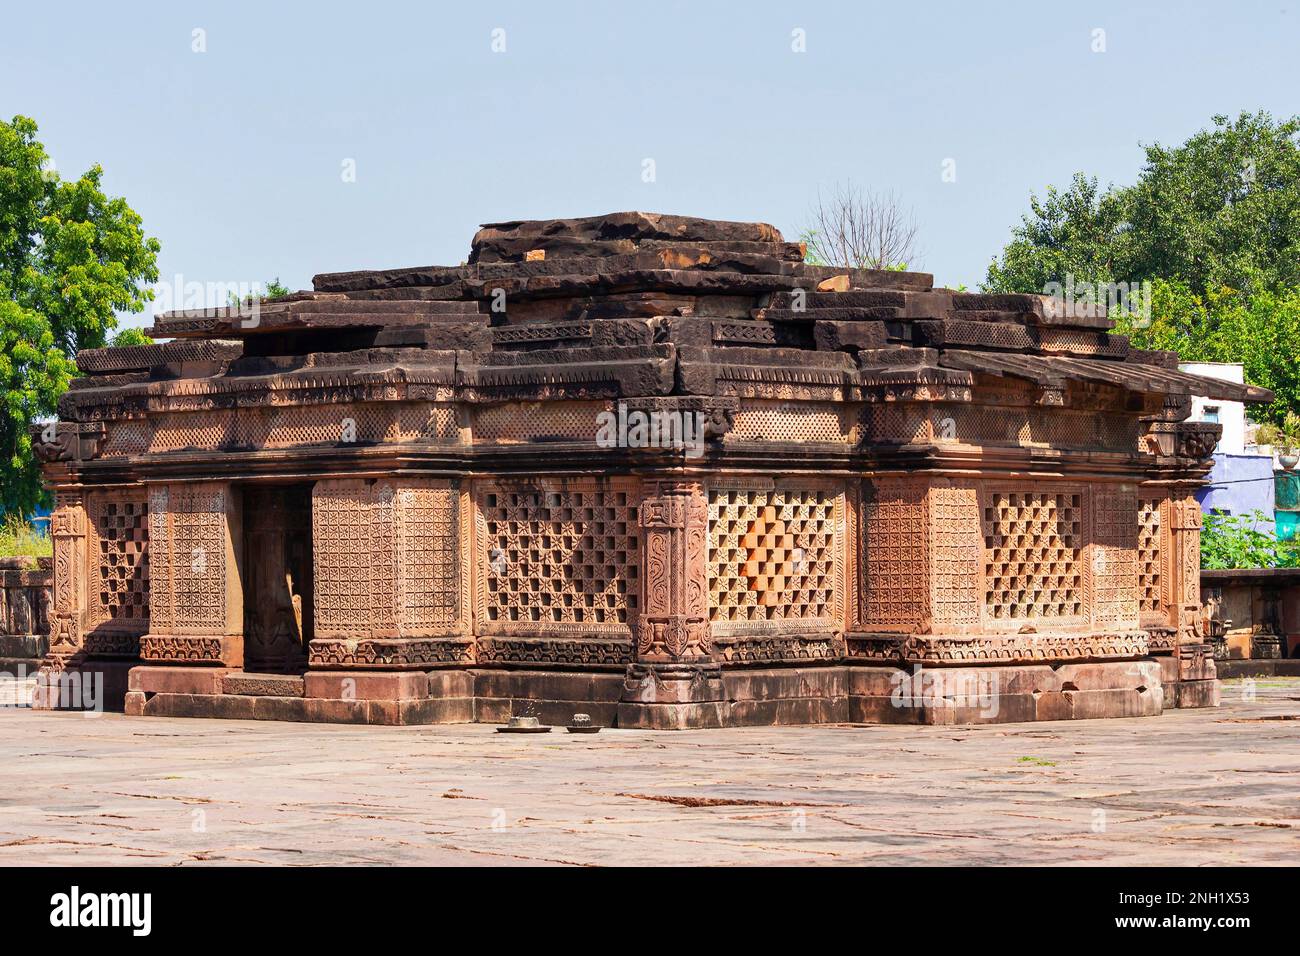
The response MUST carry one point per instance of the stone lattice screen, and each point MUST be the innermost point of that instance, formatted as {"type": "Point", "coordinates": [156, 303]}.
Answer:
{"type": "Point", "coordinates": [774, 557]}
{"type": "Point", "coordinates": [964, 557]}
{"type": "Point", "coordinates": [118, 562]}
{"type": "Point", "coordinates": [1151, 583]}
{"type": "Point", "coordinates": [1033, 546]}
{"type": "Point", "coordinates": [188, 535]}
{"type": "Point", "coordinates": [559, 558]}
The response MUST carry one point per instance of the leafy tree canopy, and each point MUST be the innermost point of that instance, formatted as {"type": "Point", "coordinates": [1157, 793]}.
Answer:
{"type": "Point", "coordinates": [70, 258]}
{"type": "Point", "coordinates": [1243, 541]}
{"type": "Point", "coordinates": [1220, 211]}
{"type": "Point", "coordinates": [130, 336]}
{"type": "Point", "coordinates": [1213, 225]}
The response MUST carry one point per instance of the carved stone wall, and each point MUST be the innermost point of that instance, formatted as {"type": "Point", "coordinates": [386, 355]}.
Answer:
{"type": "Point", "coordinates": [354, 558]}
{"type": "Point", "coordinates": [117, 588]}
{"type": "Point", "coordinates": [390, 573]}
{"type": "Point", "coordinates": [195, 600]}
{"type": "Point", "coordinates": [1115, 594]}
{"type": "Point", "coordinates": [894, 563]}
{"type": "Point", "coordinates": [989, 559]}
{"type": "Point", "coordinates": [956, 543]}
{"type": "Point", "coordinates": [25, 605]}
{"type": "Point", "coordinates": [432, 556]}
{"type": "Point", "coordinates": [558, 557]}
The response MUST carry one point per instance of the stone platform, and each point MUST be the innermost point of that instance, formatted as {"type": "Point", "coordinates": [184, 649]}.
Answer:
{"type": "Point", "coordinates": [751, 697]}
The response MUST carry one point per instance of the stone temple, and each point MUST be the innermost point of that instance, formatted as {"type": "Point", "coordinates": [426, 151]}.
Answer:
{"type": "Point", "coordinates": [650, 468]}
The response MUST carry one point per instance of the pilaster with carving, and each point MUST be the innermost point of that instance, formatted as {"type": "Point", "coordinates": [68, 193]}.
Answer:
{"type": "Point", "coordinates": [675, 680]}
{"type": "Point", "coordinates": [1185, 571]}
{"type": "Point", "coordinates": [674, 622]}
{"type": "Point", "coordinates": [68, 530]}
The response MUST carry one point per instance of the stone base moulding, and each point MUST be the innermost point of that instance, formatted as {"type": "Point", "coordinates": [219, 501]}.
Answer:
{"type": "Point", "coordinates": [662, 699]}
{"type": "Point", "coordinates": [87, 685]}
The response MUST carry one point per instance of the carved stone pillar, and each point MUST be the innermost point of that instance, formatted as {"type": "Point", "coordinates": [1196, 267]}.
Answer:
{"type": "Point", "coordinates": [68, 529]}
{"type": "Point", "coordinates": [1185, 566]}
{"type": "Point", "coordinates": [1193, 652]}
{"type": "Point", "coordinates": [675, 681]}
{"type": "Point", "coordinates": [1182, 456]}
{"type": "Point", "coordinates": [68, 611]}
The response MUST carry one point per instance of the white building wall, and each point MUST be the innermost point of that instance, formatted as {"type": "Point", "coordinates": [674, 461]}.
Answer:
{"type": "Point", "coordinates": [1231, 415]}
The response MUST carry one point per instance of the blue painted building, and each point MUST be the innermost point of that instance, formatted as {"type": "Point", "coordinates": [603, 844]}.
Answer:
{"type": "Point", "coordinates": [1240, 484]}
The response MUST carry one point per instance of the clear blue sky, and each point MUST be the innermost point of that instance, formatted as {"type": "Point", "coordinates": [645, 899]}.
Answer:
{"type": "Point", "coordinates": [234, 156]}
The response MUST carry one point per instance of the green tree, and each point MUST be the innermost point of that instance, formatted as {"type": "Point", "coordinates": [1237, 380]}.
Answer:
{"type": "Point", "coordinates": [1212, 224]}
{"type": "Point", "coordinates": [1221, 210]}
{"type": "Point", "coordinates": [1078, 232]}
{"type": "Point", "coordinates": [130, 336]}
{"type": "Point", "coordinates": [1260, 329]}
{"type": "Point", "coordinates": [70, 259]}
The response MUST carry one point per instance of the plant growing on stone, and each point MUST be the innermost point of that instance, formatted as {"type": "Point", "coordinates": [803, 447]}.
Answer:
{"type": "Point", "coordinates": [860, 229]}
{"type": "Point", "coordinates": [1237, 541]}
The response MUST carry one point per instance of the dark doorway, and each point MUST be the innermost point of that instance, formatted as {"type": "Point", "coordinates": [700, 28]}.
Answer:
{"type": "Point", "coordinates": [277, 578]}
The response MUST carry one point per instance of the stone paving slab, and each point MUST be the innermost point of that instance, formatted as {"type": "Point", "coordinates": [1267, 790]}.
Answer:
{"type": "Point", "coordinates": [1192, 787]}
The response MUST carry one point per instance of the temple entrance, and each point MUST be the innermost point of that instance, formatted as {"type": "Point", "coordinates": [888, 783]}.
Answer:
{"type": "Point", "coordinates": [277, 577]}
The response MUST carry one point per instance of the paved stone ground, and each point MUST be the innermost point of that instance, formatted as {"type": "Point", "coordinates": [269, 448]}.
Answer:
{"type": "Point", "coordinates": [1206, 787]}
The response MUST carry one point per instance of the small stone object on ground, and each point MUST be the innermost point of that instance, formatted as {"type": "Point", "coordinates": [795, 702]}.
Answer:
{"type": "Point", "coordinates": [524, 725]}
{"type": "Point", "coordinates": [581, 724]}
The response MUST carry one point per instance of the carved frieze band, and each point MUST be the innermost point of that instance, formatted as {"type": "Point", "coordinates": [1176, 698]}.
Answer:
{"type": "Point", "coordinates": [1009, 648]}
{"type": "Point", "coordinates": [175, 649]}
{"type": "Point", "coordinates": [411, 653]}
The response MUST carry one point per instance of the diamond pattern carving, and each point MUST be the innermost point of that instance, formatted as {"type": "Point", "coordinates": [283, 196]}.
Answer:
{"type": "Point", "coordinates": [771, 554]}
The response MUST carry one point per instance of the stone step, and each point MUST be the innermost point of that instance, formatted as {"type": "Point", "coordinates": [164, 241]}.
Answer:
{"type": "Point", "coordinates": [244, 684]}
